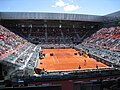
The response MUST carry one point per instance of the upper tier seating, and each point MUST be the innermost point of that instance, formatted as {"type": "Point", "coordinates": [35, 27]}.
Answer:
{"type": "Point", "coordinates": [106, 37]}
{"type": "Point", "coordinates": [105, 43]}
{"type": "Point", "coordinates": [9, 41]}
{"type": "Point", "coordinates": [14, 49]}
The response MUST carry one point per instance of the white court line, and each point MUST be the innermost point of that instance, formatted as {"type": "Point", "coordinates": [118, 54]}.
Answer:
{"type": "Point", "coordinates": [53, 60]}
{"type": "Point", "coordinates": [65, 56]}
{"type": "Point", "coordinates": [57, 59]}
{"type": "Point", "coordinates": [79, 59]}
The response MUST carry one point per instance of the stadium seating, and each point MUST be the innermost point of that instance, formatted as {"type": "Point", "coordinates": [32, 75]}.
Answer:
{"type": "Point", "coordinates": [24, 56]}
{"type": "Point", "coordinates": [104, 43]}
{"type": "Point", "coordinates": [106, 37]}
{"type": "Point", "coordinates": [56, 36]}
{"type": "Point", "coordinates": [9, 41]}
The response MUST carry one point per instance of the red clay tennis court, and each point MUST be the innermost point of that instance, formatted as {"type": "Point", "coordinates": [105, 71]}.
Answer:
{"type": "Point", "coordinates": [65, 59]}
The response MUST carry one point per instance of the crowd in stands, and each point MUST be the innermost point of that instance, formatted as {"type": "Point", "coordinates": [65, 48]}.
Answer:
{"type": "Point", "coordinates": [22, 53]}
{"type": "Point", "coordinates": [55, 36]}
{"type": "Point", "coordinates": [106, 37]}
{"type": "Point", "coordinates": [9, 41]}
{"type": "Point", "coordinates": [104, 43]}
{"type": "Point", "coordinates": [112, 56]}
{"type": "Point", "coordinates": [25, 56]}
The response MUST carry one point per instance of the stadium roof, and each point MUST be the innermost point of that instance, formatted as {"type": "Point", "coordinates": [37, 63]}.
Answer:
{"type": "Point", "coordinates": [50, 16]}
{"type": "Point", "coordinates": [56, 16]}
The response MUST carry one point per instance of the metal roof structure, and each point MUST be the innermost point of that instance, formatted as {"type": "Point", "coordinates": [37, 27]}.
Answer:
{"type": "Point", "coordinates": [49, 16]}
